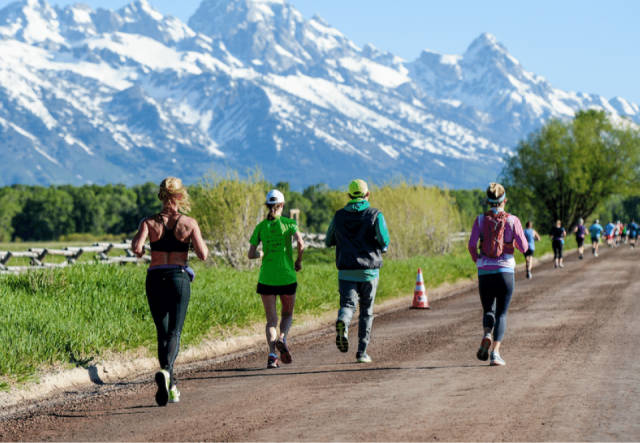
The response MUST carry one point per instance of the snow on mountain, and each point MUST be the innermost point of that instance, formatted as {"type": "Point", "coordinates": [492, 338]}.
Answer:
{"type": "Point", "coordinates": [130, 95]}
{"type": "Point", "coordinates": [511, 101]}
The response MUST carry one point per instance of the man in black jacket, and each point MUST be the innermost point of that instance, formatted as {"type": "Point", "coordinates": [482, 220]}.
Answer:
{"type": "Point", "coordinates": [360, 235]}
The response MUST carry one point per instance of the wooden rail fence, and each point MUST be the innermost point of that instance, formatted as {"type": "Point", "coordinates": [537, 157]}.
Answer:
{"type": "Point", "coordinates": [71, 253]}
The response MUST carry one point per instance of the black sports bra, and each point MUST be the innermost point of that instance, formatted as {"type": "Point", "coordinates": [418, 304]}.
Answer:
{"type": "Point", "coordinates": [168, 241]}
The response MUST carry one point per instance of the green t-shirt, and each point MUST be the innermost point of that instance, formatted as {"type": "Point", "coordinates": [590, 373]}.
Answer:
{"type": "Point", "coordinates": [277, 264]}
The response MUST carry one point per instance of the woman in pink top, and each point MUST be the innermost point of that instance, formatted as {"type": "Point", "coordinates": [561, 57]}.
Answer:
{"type": "Point", "coordinates": [496, 267]}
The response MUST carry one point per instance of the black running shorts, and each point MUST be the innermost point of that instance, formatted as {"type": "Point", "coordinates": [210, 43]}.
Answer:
{"type": "Point", "coordinates": [277, 290]}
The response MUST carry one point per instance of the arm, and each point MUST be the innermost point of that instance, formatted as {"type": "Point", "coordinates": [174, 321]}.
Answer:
{"type": "Point", "coordinates": [300, 245]}
{"type": "Point", "coordinates": [198, 242]}
{"type": "Point", "coordinates": [330, 239]}
{"type": "Point", "coordinates": [254, 253]}
{"type": "Point", "coordinates": [254, 241]}
{"type": "Point", "coordinates": [518, 235]}
{"type": "Point", "coordinates": [137, 245]}
{"type": "Point", "coordinates": [536, 236]}
{"type": "Point", "coordinates": [472, 246]}
{"type": "Point", "coordinates": [382, 233]}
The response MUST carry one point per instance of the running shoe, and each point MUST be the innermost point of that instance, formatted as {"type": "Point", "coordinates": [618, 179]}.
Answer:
{"type": "Point", "coordinates": [496, 360]}
{"type": "Point", "coordinates": [581, 256]}
{"type": "Point", "coordinates": [174, 394]}
{"type": "Point", "coordinates": [342, 339]}
{"type": "Point", "coordinates": [363, 357]}
{"type": "Point", "coordinates": [273, 362]}
{"type": "Point", "coordinates": [483, 351]}
{"type": "Point", "coordinates": [162, 380]}
{"type": "Point", "coordinates": [595, 254]}
{"type": "Point", "coordinates": [285, 355]}
{"type": "Point", "coordinates": [561, 265]}
{"type": "Point", "coordinates": [529, 275]}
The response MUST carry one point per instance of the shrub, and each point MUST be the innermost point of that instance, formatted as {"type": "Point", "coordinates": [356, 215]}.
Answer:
{"type": "Point", "coordinates": [227, 210]}
{"type": "Point", "coordinates": [420, 218]}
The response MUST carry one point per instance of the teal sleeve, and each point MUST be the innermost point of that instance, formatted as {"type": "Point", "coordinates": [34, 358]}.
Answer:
{"type": "Point", "coordinates": [382, 233]}
{"type": "Point", "coordinates": [330, 239]}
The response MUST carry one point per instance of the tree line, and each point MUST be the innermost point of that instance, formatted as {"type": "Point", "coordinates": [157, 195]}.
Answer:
{"type": "Point", "coordinates": [37, 213]}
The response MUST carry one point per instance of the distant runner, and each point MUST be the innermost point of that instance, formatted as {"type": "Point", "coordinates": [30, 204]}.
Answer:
{"type": "Point", "coordinates": [632, 230]}
{"type": "Point", "coordinates": [532, 236]}
{"type": "Point", "coordinates": [359, 233]}
{"type": "Point", "coordinates": [596, 231]}
{"type": "Point", "coordinates": [581, 233]}
{"type": "Point", "coordinates": [618, 232]}
{"type": "Point", "coordinates": [609, 231]}
{"type": "Point", "coordinates": [169, 278]}
{"type": "Point", "coordinates": [558, 233]}
{"type": "Point", "coordinates": [277, 273]}
{"type": "Point", "coordinates": [497, 232]}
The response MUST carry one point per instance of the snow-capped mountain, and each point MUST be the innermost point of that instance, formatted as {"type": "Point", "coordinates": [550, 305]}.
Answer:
{"type": "Point", "coordinates": [97, 96]}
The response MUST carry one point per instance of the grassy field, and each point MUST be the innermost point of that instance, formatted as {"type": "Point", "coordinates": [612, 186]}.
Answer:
{"type": "Point", "coordinates": [71, 315]}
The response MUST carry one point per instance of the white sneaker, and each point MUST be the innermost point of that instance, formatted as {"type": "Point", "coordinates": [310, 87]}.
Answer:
{"type": "Point", "coordinates": [496, 360]}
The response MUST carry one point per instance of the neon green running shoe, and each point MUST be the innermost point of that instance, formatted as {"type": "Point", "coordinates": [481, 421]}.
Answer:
{"type": "Point", "coordinates": [174, 395]}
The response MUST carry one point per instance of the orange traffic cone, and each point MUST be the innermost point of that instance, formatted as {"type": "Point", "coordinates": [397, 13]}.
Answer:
{"type": "Point", "coordinates": [420, 294]}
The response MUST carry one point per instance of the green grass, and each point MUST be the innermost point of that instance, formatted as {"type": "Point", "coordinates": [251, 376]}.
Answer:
{"type": "Point", "coordinates": [72, 315]}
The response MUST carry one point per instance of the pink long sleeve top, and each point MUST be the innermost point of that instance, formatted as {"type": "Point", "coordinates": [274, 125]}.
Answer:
{"type": "Point", "coordinates": [513, 232]}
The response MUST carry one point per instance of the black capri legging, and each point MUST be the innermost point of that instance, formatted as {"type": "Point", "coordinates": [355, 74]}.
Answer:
{"type": "Point", "coordinates": [557, 248]}
{"type": "Point", "coordinates": [168, 293]}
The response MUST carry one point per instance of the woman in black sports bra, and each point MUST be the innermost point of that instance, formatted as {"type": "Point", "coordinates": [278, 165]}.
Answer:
{"type": "Point", "coordinates": [169, 278]}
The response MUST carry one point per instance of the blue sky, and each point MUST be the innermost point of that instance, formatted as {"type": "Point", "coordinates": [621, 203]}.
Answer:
{"type": "Point", "coordinates": [589, 46]}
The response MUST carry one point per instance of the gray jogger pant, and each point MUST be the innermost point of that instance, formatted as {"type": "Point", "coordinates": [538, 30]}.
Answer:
{"type": "Point", "coordinates": [353, 293]}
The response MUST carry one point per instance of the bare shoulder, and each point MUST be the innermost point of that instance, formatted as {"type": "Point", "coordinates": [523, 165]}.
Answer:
{"type": "Point", "coordinates": [188, 221]}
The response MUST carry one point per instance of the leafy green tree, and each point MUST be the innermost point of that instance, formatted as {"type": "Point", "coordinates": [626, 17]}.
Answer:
{"type": "Point", "coordinates": [470, 203]}
{"type": "Point", "coordinates": [11, 202]}
{"type": "Point", "coordinates": [46, 215]}
{"type": "Point", "coordinates": [567, 169]}
{"type": "Point", "coordinates": [323, 204]}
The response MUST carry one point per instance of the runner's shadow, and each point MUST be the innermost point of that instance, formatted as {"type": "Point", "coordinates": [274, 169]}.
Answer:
{"type": "Point", "coordinates": [101, 414]}
{"type": "Point", "coordinates": [264, 372]}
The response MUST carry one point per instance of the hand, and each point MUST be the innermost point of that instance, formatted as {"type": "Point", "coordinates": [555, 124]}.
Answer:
{"type": "Point", "coordinates": [298, 265]}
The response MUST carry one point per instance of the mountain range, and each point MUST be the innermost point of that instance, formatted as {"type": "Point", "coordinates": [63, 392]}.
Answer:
{"type": "Point", "coordinates": [131, 95]}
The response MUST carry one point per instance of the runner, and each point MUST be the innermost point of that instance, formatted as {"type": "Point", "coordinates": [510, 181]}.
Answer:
{"type": "Point", "coordinates": [581, 232]}
{"type": "Point", "coordinates": [596, 231]}
{"type": "Point", "coordinates": [618, 233]}
{"type": "Point", "coordinates": [277, 273]}
{"type": "Point", "coordinates": [168, 277]}
{"type": "Point", "coordinates": [360, 235]}
{"type": "Point", "coordinates": [532, 236]}
{"type": "Point", "coordinates": [609, 230]}
{"type": "Point", "coordinates": [632, 230]}
{"type": "Point", "coordinates": [558, 234]}
{"type": "Point", "coordinates": [497, 232]}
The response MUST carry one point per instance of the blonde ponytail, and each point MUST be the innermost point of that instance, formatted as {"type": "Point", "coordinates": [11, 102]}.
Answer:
{"type": "Point", "coordinates": [172, 190]}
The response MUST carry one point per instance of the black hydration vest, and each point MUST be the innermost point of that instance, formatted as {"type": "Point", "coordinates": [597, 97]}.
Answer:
{"type": "Point", "coordinates": [356, 244]}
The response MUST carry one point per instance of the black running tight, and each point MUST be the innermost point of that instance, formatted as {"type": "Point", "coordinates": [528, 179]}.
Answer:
{"type": "Point", "coordinates": [168, 292]}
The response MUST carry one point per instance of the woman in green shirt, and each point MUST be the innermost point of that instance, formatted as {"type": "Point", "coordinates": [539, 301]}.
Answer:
{"type": "Point", "coordinates": [277, 273]}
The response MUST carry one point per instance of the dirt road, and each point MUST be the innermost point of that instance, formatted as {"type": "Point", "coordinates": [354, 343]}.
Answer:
{"type": "Point", "coordinates": [573, 373]}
